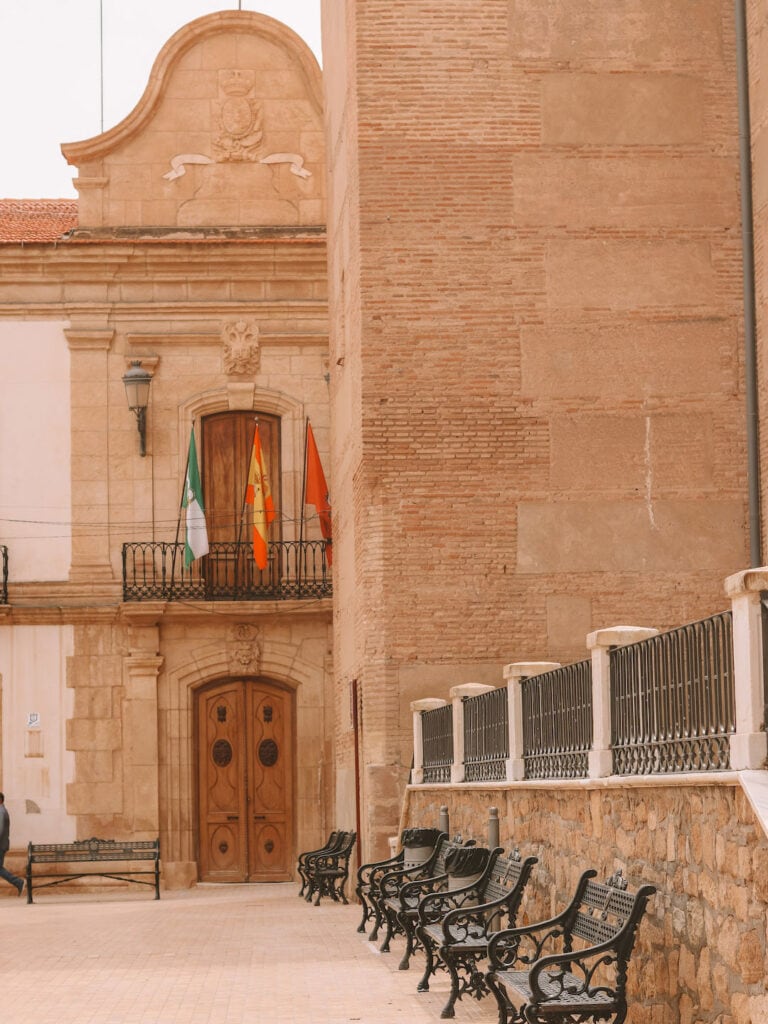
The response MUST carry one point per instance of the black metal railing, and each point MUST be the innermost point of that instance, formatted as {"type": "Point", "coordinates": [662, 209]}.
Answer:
{"type": "Point", "coordinates": [557, 722]}
{"type": "Point", "coordinates": [672, 700]}
{"type": "Point", "coordinates": [437, 743]}
{"type": "Point", "coordinates": [4, 586]}
{"type": "Point", "coordinates": [155, 570]}
{"type": "Point", "coordinates": [486, 736]}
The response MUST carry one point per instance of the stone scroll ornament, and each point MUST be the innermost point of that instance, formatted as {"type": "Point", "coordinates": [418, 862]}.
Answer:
{"type": "Point", "coordinates": [239, 135]}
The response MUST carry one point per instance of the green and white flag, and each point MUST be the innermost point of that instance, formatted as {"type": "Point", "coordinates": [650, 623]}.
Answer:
{"type": "Point", "coordinates": [196, 540]}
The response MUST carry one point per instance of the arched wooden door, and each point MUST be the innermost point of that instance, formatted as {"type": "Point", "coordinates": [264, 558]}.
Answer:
{"type": "Point", "coordinates": [245, 782]}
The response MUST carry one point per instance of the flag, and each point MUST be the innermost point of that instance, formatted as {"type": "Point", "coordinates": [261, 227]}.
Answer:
{"type": "Point", "coordinates": [259, 494]}
{"type": "Point", "coordinates": [196, 537]}
{"type": "Point", "coordinates": [317, 492]}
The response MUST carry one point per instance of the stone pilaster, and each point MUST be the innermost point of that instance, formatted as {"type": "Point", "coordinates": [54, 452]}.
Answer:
{"type": "Point", "coordinates": [514, 674]}
{"type": "Point", "coordinates": [89, 350]}
{"type": "Point", "coordinates": [600, 643]}
{"type": "Point", "coordinates": [749, 744]}
{"type": "Point", "coordinates": [457, 695]}
{"type": "Point", "coordinates": [418, 707]}
{"type": "Point", "coordinates": [140, 731]}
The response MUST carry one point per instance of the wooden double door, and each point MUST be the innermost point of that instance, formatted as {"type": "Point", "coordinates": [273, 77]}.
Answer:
{"type": "Point", "coordinates": [245, 782]}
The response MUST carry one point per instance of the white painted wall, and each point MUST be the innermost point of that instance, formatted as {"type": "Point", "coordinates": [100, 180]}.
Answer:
{"type": "Point", "coordinates": [35, 450]}
{"type": "Point", "coordinates": [36, 765]}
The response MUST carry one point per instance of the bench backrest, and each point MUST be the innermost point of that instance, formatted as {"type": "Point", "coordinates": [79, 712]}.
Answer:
{"type": "Point", "coordinates": [608, 912]}
{"type": "Point", "coordinates": [93, 850]}
{"type": "Point", "coordinates": [346, 845]}
{"type": "Point", "coordinates": [507, 878]}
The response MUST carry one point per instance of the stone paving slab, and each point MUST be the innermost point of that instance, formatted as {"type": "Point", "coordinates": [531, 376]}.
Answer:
{"type": "Point", "coordinates": [235, 954]}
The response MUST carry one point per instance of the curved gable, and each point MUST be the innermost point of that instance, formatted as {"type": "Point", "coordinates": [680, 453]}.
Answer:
{"type": "Point", "coordinates": [228, 133]}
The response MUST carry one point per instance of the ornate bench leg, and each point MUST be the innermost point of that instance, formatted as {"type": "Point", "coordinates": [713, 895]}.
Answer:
{"type": "Point", "coordinates": [378, 922]}
{"type": "Point", "coordinates": [366, 909]}
{"type": "Point", "coordinates": [390, 916]}
{"type": "Point", "coordinates": [408, 926]}
{"type": "Point", "coordinates": [501, 999]}
{"type": "Point", "coordinates": [429, 970]}
{"type": "Point", "coordinates": [448, 1011]}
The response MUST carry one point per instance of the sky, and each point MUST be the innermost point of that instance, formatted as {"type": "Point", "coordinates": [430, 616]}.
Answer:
{"type": "Point", "coordinates": [50, 73]}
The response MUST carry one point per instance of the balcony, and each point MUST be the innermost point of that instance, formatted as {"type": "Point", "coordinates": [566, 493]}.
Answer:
{"type": "Point", "coordinates": [155, 571]}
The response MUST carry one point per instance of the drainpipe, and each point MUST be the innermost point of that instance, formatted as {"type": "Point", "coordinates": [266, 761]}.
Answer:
{"type": "Point", "coordinates": [748, 262]}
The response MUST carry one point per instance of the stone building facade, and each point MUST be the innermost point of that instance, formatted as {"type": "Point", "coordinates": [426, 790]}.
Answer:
{"type": "Point", "coordinates": [198, 251]}
{"type": "Point", "coordinates": [493, 254]}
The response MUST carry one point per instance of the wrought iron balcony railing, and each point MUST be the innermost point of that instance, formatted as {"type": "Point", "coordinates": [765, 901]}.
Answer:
{"type": "Point", "coordinates": [155, 571]}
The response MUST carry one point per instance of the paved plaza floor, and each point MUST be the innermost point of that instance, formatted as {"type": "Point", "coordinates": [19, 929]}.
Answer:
{"type": "Point", "coordinates": [231, 954]}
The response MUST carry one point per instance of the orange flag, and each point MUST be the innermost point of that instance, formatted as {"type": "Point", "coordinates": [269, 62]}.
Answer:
{"type": "Point", "coordinates": [317, 492]}
{"type": "Point", "coordinates": [259, 495]}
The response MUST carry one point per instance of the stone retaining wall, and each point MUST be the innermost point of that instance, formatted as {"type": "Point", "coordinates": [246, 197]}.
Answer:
{"type": "Point", "coordinates": [701, 951]}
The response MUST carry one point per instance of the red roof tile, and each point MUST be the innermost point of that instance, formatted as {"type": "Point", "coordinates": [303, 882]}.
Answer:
{"type": "Point", "coordinates": [36, 220]}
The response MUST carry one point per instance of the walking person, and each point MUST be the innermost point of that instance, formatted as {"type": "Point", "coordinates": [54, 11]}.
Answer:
{"type": "Point", "coordinates": [5, 842]}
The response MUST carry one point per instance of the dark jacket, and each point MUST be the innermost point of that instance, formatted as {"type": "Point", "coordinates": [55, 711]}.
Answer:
{"type": "Point", "coordinates": [5, 829]}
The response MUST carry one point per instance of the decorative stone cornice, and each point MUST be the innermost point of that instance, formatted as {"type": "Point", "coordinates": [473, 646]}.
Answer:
{"type": "Point", "coordinates": [87, 339]}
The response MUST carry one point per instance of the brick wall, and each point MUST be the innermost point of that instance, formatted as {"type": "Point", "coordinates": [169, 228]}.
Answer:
{"type": "Point", "coordinates": [535, 297]}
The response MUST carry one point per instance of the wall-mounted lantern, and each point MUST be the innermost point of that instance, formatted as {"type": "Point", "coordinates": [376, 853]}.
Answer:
{"type": "Point", "coordinates": [137, 383]}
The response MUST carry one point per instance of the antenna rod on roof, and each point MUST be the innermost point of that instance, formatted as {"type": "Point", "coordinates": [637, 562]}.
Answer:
{"type": "Point", "coordinates": [101, 64]}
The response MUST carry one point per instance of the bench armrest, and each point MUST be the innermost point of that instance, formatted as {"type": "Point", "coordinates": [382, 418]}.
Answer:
{"type": "Point", "coordinates": [434, 906]}
{"type": "Point", "coordinates": [393, 881]}
{"type": "Point", "coordinates": [524, 945]}
{"type": "Point", "coordinates": [366, 872]}
{"type": "Point", "coordinates": [411, 893]}
{"type": "Point", "coordinates": [462, 922]}
{"type": "Point", "coordinates": [572, 974]}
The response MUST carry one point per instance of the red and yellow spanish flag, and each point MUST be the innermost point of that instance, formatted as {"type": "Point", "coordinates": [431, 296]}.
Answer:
{"type": "Point", "coordinates": [317, 492]}
{"type": "Point", "coordinates": [259, 495]}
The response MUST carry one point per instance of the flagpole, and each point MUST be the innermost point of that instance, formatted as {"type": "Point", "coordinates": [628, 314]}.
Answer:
{"type": "Point", "coordinates": [245, 489]}
{"type": "Point", "coordinates": [303, 497]}
{"type": "Point", "coordinates": [178, 520]}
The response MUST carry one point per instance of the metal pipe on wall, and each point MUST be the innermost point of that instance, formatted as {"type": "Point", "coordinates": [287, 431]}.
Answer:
{"type": "Point", "coordinates": [748, 261]}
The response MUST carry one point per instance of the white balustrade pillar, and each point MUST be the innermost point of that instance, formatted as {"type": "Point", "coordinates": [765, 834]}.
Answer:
{"type": "Point", "coordinates": [514, 674]}
{"type": "Point", "coordinates": [418, 707]}
{"type": "Point", "coordinates": [749, 744]}
{"type": "Point", "coordinates": [600, 643]}
{"type": "Point", "coordinates": [457, 695]}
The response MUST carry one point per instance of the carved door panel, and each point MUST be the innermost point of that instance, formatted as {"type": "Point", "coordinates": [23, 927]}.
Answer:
{"type": "Point", "coordinates": [245, 783]}
{"type": "Point", "coordinates": [222, 766]}
{"type": "Point", "coordinates": [270, 784]}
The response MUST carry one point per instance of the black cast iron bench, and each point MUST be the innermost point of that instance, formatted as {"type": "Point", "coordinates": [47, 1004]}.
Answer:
{"type": "Point", "coordinates": [572, 967]}
{"type": "Point", "coordinates": [330, 846]}
{"type": "Point", "coordinates": [327, 872]}
{"type": "Point", "coordinates": [456, 864]}
{"type": "Point", "coordinates": [416, 847]}
{"type": "Point", "coordinates": [456, 926]}
{"type": "Point", "coordinates": [394, 880]}
{"type": "Point", "coordinates": [72, 858]}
